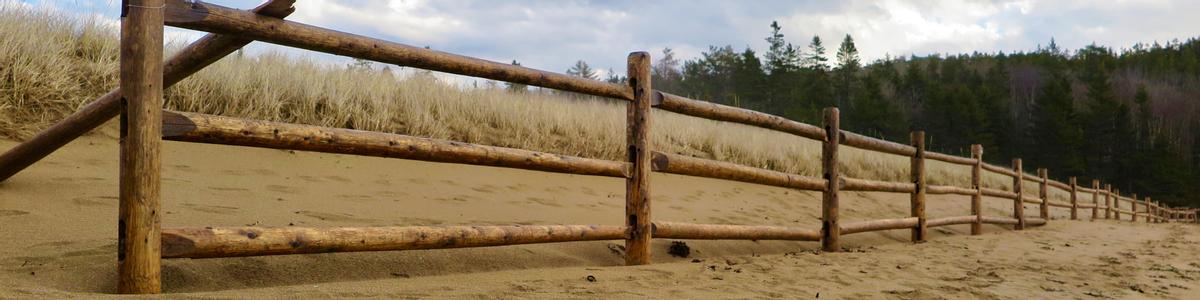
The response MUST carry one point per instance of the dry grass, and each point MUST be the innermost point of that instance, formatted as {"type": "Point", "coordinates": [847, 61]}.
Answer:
{"type": "Point", "coordinates": [51, 64]}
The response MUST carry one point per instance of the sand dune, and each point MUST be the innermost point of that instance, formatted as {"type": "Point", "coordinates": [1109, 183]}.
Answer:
{"type": "Point", "coordinates": [58, 226]}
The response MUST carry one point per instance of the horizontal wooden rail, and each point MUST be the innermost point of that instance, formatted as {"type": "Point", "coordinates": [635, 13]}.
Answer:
{"type": "Point", "coordinates": [256, 241]}
{"type": "Point", "coordinates": [1060, 185]}
{"type": "Point", "coordinates": [998, 169]}
{"type": "Point", "coordinates": [674, 230]}
{"type": "Point", "coordinates": [1031, 199]}
{"type": "Point", "coordinates": [1033, 178]}
{"type": "Point", "coordinates": [1000, 220]}
{"type": "Point", "coordinates": [201, 128]}
{"type": "Point", "coordinates": [213, 18]}
{"type": "Point", "coordinates": [714, 111]}
{"type": "Point", "coordinates": [990, 192]}
{"type": "Point", "coordinates": [866, 185]}
{"type": "Point", "coordinates": [1059, 204]}
{"type": "Point", "coordinates": [699, 167]}
{"type": "Point", "coordinates": [1087, 205]}
{"type": "Point", "coordinates": [950, 221]}
{"type": "Point", "coordinates": [1031, 221]}
{"type": "Point", "coordinates": [869, 143]}
{"type": "Point", "coordinates": [948, 189]}
{"type": "Point", "coordinates": [878, 225]}
{"type": "Point", "coordinates": [967, 161]}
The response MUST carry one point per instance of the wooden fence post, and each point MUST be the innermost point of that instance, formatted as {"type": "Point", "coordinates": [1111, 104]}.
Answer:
{"type": "Point", "coordinates": [637, 186]}
{"type": "Point", "coordinates": [139, 253]}
{"type": "Point", "coordinates": [1044, 208]}
{"type": "Point", "coordinates": [1095, 199]}
{"type": "Point", "coordinates": [1074, 199]}
{"type": "Point", "coordinates": [1133, 207]}
{"type": "Point", "coordinates": [917, 168]}
{"type": "Point", "coordinates": [1108, 203]}
{"type": "Point", "coordinates": [831, 229]}
{"type": "Point", "coordinates": [1019, 202]}
{"type": "Point", "coordinates": [1151, 211]}
{"type": "Point", "coordinates": [977, 183]}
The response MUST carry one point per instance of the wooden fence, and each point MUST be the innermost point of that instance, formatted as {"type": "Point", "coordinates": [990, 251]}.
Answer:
{"type": "Point", "coordinates": [142, 243]}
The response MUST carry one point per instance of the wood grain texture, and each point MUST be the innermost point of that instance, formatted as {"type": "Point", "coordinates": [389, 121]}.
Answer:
{"type": "Point", "coordinates": [977, 184]}
{"type": "Point", "coordinates": [202, 128]}
{"type": "Point", "coordinates": [257, 241]}
{"type": "Point", "coordinates": [830, 226]}
{"type": "Point", "coordinates": [139, 261]}
{"type": "Point", "coordinates": [637, 185]}
{"type": "Point", "coordinates": [917, 170]}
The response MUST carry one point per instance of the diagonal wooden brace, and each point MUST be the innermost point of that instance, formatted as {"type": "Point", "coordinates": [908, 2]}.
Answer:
{"type": "Point", "coordinates": [190, 60]}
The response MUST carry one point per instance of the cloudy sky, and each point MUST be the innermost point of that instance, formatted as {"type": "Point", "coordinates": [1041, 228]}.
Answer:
{"type": "Point", "coordinates": [552, 35]}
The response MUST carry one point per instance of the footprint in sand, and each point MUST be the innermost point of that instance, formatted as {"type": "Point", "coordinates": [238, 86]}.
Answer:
{"type": "Point", "coordinates": [335, 217]}
{"type": "Point", "coordinates": [215, 209]}
{"type": "Point", "coordinates": [282, 189]}
{"type": "Point", "coordinates": [487, 189]}
{"type": "Point", "coordinates": [228, 189]}
{"type": "Point", "coordinates": [11, 212]}
{"type": "Point", "coordinates": [311, 179]}
{"type": "Point", "coordinates": [543, 201]}
{"type": "Point", "coordinates": [338, 178]}
{"type": "Point", "coordinates": [95, 201]}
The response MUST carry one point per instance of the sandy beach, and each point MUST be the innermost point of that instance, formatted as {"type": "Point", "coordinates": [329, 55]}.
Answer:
{"type": "Point", "coordinates": [58, 226]}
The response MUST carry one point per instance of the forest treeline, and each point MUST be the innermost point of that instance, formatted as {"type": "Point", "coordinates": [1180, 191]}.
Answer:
{"type": "Point", "coordinates": [1126, 117]}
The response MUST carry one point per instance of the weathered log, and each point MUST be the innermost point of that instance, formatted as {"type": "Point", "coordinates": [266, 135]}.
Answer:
{"type": "Point", "coordinates": [990, 192]}
{"type": "Point", "coordinates": [917, 168]}
{"type": "Point", "coordinates": [866, 185]}
{"type": "Point", "coordinates": [637, 145]}
{"type": "Point", "coordinates": [869, 143]}
{"type": "Point", "coordinates": [951, 221]}
{"type": "Point", "coordinates": [877, 225]}
{"type": "Point", "coordinates": [1060, 204]}
{"type": "Point", "coordinates": [1035, 222]}
{"type": "Point", "coordinates": [1000, 220]}
{"type": "Point", "coordinates": [1018, 205]}
{"type": "Point", "coordinates": [1044, 207]}
{"type": "Point", "coordinates": [714, 111]}
{"type": "Point", "coordinates": [977, 184]}
{"type": "Point", "coordinates": [218, 19]}
{"type": "Point", "coordinates": [1085, 205]}
{"type": "Point", "coordinates": [673, 230]}
{"type": "Point", "coordinates": [139, 263]}
{"type": "Point", "coordinates": [998, 170]}
{"type": "Point", "coordinates": [830, 226]}
{"type": "Point", "coordinates": [1074, 199]}
{"type": "Point", "coordinates": [186, 62]}
{"type": "Point", "coordinates": [949, 189]}
{"type": "Point", "coordinates": [257, 241]}
{"type": "Point", "coordinates": [1060, 185]}
{"type": "Point", "coordinates": [1133, 206]}
{"type": "Point", "coordinates": [954, 159]}
{"type": "Point", "coordinates": [201, 128]}
{"type": "Point", "coordinates": [699, 167]}
{"type": "Point", "coordinates": [1095, 199]}
{"type": "Point", "coordinates": [1031, 200]}
{"type": "Point", "coordinates": [1108, 203]}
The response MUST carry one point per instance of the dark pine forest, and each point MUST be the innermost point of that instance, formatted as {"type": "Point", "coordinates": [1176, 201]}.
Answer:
{"type": "Point", "coordinates": [1126, 116]}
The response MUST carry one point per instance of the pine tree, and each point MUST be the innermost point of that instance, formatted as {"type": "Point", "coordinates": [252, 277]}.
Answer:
{"type": "Point", "coordinates": [665, 73]}
{"type": "Point", "coordinates": [517, 87]}
{"type": "Point", "coordinates": [847, 70]}
{"type": "Point", "coordinates": [582, 69]}
{"type": "Point", "coordinates": [816, 59]}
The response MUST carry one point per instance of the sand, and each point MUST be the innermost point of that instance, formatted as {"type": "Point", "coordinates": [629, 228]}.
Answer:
{"type": "Point", "coordinates": [58, 229]}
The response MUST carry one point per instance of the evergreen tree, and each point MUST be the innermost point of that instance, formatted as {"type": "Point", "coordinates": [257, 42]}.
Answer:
{"type": "Point", "coordinates": [517, 87]}
{"type": "Point", "coordinates": [847, 70]}
{"type": "Point", "coordinates": [582, 69]}
{"type": "Point", "coordinates": [665, 73]}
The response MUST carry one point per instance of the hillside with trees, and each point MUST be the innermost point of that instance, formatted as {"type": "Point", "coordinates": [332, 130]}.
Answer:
{"type": "Point", "coordinates": [1126, 116]}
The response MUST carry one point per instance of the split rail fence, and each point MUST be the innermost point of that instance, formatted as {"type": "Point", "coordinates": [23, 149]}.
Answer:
{"type": "Point", "coordinates": [142, 243]}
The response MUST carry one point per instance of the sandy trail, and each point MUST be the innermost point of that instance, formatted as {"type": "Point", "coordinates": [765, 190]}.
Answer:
{"type": "Point", "coordinates": [58, 224]}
